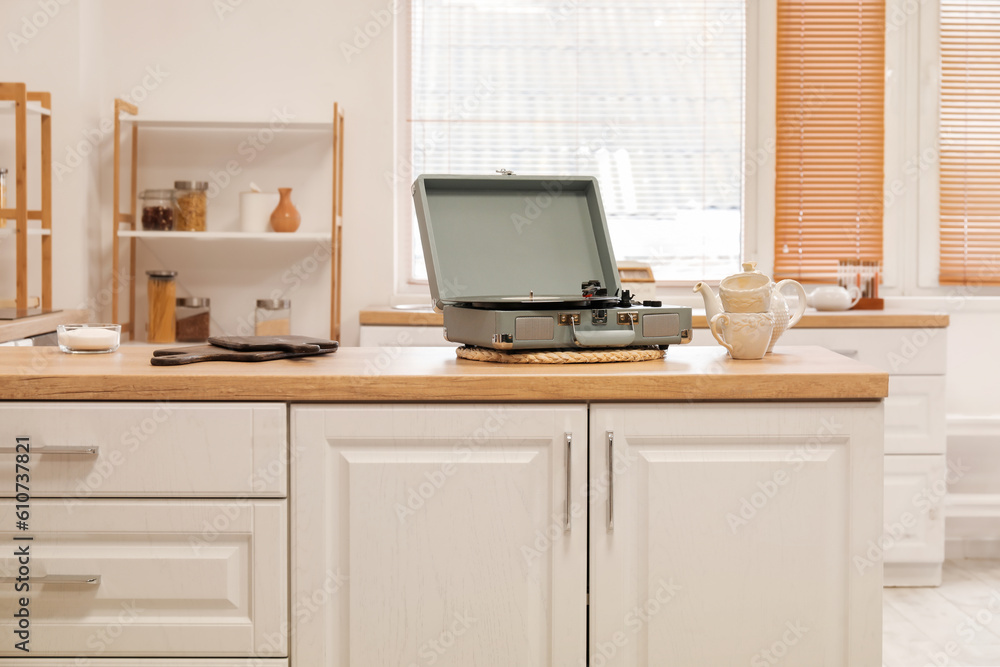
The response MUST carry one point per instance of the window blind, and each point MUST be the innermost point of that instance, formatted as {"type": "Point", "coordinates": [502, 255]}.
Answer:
{"type": "Point", "coordinates": [829, 141]}
{"type": "Point", "coordinates": [645, 95]}
{"type": "Point", "coordinates": [970, 142]}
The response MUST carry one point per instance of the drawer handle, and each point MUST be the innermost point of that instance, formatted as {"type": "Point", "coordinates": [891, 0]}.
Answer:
{"type": "Point", "coordinates": [77, 579]}
{"type": "Point", "coordinates": [42, 449]}
{"type": "Point", "coordinates": [853, 354]}
{"type": "Point", "coordinates": [569, 444]}
{"type": "Point", "coordinates": [611, 479]}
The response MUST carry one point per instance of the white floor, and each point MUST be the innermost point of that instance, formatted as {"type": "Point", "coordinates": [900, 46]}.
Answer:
{"type": "Point", "coordinates": [956, 624]}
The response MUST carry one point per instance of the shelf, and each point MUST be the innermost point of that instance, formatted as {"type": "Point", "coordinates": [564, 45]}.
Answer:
{"type": "Point", "coordinates": [220, 124]}
{"type": "Point", "coordinates": [228, 236]}
{"type": "Point", "coordinates": [7, 107]}
{"type": "Point", "coordinates": [32, 231]}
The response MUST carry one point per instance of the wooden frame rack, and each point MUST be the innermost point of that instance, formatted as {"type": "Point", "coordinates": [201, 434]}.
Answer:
{"type": "Point", "coordinates": [129, 113]}
{"type": "Point", "coordinates": [25, 102]}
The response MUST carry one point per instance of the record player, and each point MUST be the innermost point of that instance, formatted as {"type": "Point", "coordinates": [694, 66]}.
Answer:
{"type": "Point", "coordinates": [525, 262]}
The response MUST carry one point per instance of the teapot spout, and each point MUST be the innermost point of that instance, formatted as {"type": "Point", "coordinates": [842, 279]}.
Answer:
{"type": "Point", "coordinates": [713, 305]}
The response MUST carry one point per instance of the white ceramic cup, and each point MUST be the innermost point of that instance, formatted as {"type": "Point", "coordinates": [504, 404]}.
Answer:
{"type": "Point", "coordinates": [834, 297]}
{"type": "Point", "coordinates": [746, 293]}
{"type": "Point", "coordinates": [744, 335]}
{"type": "Point", "coordinates": [256, 209]}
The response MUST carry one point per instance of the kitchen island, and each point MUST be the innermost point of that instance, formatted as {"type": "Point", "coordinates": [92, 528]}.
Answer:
{"type": "Point", "coordinates": [399, 506]}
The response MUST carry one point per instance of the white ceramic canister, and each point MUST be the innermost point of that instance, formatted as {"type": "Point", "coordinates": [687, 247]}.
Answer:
{"type": "Point", "coordinates": [255, 211]}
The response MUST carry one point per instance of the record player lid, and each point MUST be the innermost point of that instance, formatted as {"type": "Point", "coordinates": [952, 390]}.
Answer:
{"type": "Point", "coordinates": [512, 235]}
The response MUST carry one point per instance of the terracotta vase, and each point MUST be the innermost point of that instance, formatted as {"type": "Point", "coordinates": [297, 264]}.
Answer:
{"type": "Point", "coordinates": [285, 217]}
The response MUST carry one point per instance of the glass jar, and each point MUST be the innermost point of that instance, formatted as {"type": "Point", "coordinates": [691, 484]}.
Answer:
{"type": "Point", "coordinates": [193, 319]}
{"type": "Point", "coordinates": [273, 317]}
{"type": "Point", "coordinates": [157, 210]}
{"type": "Point", "coordinates": [190, 202]}
{"type": "Point", "coordinates": [161, 291]}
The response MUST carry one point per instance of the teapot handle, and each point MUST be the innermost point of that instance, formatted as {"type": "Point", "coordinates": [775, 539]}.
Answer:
{"type": "Point", "coordinates": [794, 319]}
{"type": "Point", "coordinates": [855, 293]}
{"type": "Point", "coordinates": [715, 330]}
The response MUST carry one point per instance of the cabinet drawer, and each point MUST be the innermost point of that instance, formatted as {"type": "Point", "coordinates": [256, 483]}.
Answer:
{"type": "Point", "coordinates": [167, 578]}
{"type": "Point", "coordinates": [914, 521]}
{"type": "Point", "coordinates": [914, 415]}
{"type": "Point", "coordinates": [896, 351]}
{"type": "Point", "coordinates": [147, 449]}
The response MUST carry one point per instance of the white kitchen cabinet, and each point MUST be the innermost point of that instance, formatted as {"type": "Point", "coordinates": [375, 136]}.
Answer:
{"type": "Point", "coordinates": [915, 487]}
{"type": "Point", "coordinates": [718, 533]}
{"type": "Point", "coordinates": [444, 535]}
{"type": "Point", "coordinates": [148, 450]}
{"type": "Point", "coordinates": [144, 578]}
{"type": "Point", "coordinates": [725, 534]}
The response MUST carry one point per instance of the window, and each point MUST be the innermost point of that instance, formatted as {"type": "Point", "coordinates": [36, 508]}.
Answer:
{"type": "Point", "coordinates": [970, 143]}
{"type": "Point", "coordinates": [646, 96]}
{"type": "Point", "coordinates": [829, 148]}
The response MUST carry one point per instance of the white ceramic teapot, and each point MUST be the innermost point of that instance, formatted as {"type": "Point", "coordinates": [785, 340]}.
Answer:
{"type": "Point", "coordinates": [834, 297]}
{"type": "Point", "coordinates": [742, 290]}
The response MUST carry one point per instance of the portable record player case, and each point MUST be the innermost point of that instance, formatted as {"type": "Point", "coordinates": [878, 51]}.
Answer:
{"type": "Point", "coordinates": [525, 262]}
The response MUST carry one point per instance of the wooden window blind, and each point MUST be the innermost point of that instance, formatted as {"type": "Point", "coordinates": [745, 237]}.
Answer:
{"type": "Point", "coordinates": [829, 141]}
{"type": "Point", "coordinates": [970, 142]}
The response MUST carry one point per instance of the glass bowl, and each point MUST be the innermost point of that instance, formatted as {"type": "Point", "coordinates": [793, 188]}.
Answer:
{"type": "Point", "coordinates": [89, 338]}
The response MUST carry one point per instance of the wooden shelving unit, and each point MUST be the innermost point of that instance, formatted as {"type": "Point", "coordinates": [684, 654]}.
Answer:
{"type": "Point", "coordinates": [16, 97]}
{"type": "Point", "coordinates": [129, 113]}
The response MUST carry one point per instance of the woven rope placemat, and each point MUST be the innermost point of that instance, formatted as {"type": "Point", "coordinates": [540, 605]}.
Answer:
{"type": "Point", "coordinates": [559, 356]}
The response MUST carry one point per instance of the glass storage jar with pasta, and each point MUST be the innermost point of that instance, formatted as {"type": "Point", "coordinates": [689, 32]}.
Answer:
{"type": "Point", "coordinates": [190, 202]}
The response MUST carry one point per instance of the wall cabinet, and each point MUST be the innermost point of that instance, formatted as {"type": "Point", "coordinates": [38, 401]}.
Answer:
{"type": "Point", "coordinates": [458, 535]}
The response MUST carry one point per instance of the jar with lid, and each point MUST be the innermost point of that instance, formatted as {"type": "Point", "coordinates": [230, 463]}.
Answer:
{"type": "Point", "coordinates": [161, 291]}
{"type": "Point", "coordinates": [190, 203]}
{"type": "Point", "coordinates": [273, 317]}
{"type": "Point", "coordinates": [157, 210]}
{"type": "Point", "coordinates": [193, 319]}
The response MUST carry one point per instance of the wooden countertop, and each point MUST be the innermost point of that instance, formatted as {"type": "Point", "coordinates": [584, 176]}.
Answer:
{"type": "Point", "coordinates": [813, 319]}
{"type": "Point", "coordinates": [38, 324]}
{"type": "Point", "coordinates": [436, 374]}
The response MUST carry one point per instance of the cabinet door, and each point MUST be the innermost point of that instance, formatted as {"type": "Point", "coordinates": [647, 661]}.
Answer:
{"type": "Point", "coordinates": [914, 415]}
{"type": "Point", "coordinates": [915, 487]}
{"type": "Point", "coordinates": [451, 536]}
{"type": "Point", "coordinates": [731, 534]}
{"type": "Point", "coordinates": [134, 579]}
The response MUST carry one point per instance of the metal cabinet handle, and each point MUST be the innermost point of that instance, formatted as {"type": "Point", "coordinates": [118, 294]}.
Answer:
{"type": "Point", "coordinates": [569, 481]}
{"type": "Point", "coordinates": [611, 480]}
{"type": "Point", "coordinates": [80, 579]}
{"type": "Point", "coordinates": [42, 449]}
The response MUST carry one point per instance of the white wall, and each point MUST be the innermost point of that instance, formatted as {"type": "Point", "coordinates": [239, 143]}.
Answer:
{"type": "Point", "coordinates": [228, 59]}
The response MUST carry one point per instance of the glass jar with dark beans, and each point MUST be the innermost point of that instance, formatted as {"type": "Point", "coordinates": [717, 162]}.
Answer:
{"type": "Point", "coordinates": [157, 210]}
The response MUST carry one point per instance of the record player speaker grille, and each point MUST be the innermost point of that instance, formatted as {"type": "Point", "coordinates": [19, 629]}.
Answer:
{"type": "Point", "coordinates": [534, 328]}
{"type": "Point", "coordinates": [661, 324]}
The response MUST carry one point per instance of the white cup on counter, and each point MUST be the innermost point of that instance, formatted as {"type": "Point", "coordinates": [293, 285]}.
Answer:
{"type": "Point", "coordinates": [256, 209]}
